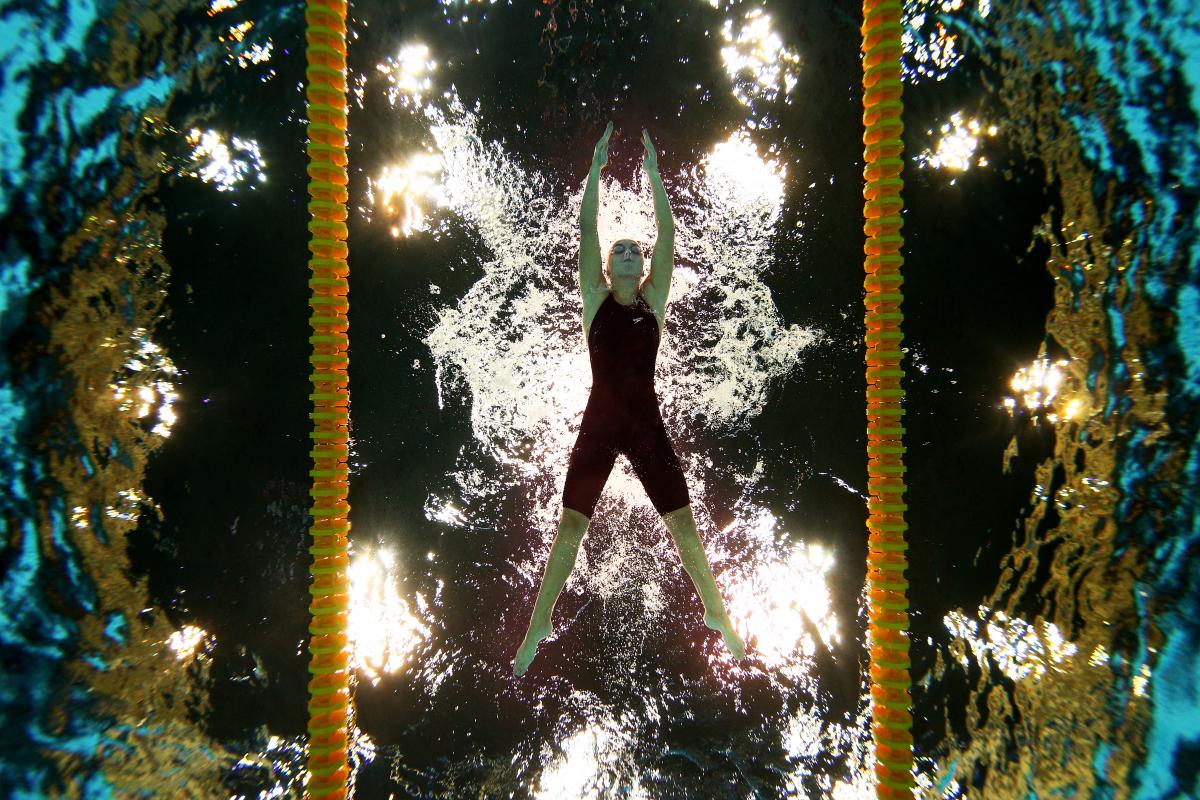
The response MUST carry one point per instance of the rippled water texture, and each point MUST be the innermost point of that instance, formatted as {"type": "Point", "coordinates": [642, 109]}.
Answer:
{"type": "Point", "coordinates": [153, 401]}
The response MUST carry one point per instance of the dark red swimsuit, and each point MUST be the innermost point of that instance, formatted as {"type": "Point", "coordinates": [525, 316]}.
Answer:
{"type": "Point", "coordinates": [622, 413]}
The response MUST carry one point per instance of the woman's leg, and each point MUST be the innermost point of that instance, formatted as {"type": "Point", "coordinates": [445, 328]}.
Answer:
{"type": "Point", "coordinates": [654, 461]}
{"type": "Point", "coordinates": [682, 526]}
{"type": "Point", "coordinates": [571, 528]}
{"type": "Point", "coordinates": [592, 459]}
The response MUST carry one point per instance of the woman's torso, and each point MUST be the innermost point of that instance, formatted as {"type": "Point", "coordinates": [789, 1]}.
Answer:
{"type": "Point", "coordinates": [623, 349]}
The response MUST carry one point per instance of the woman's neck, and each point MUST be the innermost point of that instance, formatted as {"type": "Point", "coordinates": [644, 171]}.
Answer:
{"type": "Point", "coordinates": [625, 290]}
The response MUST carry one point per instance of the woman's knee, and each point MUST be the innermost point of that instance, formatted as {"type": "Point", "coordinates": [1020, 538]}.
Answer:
{"type": "Point", "coordinates": [573, 523]}
{"type": "Point", "coordinates": [680, 520]}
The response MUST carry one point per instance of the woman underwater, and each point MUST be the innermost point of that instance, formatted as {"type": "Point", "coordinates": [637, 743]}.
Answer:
{"type": "Point", "coordinates": [622, 322]}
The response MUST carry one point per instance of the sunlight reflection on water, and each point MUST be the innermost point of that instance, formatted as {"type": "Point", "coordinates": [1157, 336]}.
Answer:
{"type": "Point", "coordinates": [591, 762]}
{"type": "Point", "coordinates": [383, 631]}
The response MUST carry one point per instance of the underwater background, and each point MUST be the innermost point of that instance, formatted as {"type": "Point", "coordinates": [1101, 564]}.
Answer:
{"type": "Point", "coordinates": [154, 382]}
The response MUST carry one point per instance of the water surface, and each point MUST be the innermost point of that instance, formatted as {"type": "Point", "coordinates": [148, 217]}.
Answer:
{"type": "Point", "coordinates": [155, 399]}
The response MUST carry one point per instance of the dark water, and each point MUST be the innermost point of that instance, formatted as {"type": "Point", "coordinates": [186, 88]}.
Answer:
{"type": "Point", "coordinates": [154, 399]}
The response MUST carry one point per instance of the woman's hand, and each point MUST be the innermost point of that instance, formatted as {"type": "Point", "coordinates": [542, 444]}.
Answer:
{"type": "Point", "coordinates": [600, 158]}
{"type": "Point", "coordinates": [650, 162]}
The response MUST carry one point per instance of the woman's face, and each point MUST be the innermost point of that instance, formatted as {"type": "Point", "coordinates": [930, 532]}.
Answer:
{"type": "Point", "coordinates": [625, 259]}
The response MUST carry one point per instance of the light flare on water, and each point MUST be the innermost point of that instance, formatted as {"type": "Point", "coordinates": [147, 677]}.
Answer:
{"type": "Point", "coordinates": [592, 763]}
{"type": "Point", "coordinates": [225, 165]}
{"type": "Point", "coordinates": [254, 54]}
{"type": "Point", "coordinates": [187, 640]}
{"type": "Point", "coordinates": [238, 32]}
{"type": "Point", "coordinates": [1048, 388]}
{"type": "Point", "coordinates": [148, 390]}
{"type": "Point", "coordinates": [409, 75]}
{"type": "Point", "coordinates": [955, 150]}
{"type": "Point", "coordinates": [1018, 648]}
{"type": "Point", "coordinates": [129, 505]}
{"type": "Point", "coordinates": [752, 181]}
{"type": "Point", "coordinates": [404, 193]}
{"type": "Point", "coordinates": [383, 630]}
{"type": "Point", "coordinates": [779, 601]}
{"type": "Point", "coordinates": [756, 60]}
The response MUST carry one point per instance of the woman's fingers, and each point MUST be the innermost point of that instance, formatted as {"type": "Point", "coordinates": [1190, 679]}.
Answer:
{"type": "Point", "coordinates": [651, 160]}
{"type": "Point", "coordinates": [602, 145]}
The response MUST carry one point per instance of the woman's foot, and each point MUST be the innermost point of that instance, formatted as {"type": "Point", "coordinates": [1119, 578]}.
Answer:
{"type": "Point", "coordinates": [721, 622]}
{"type": "Point", "coordinates": [528, 648]}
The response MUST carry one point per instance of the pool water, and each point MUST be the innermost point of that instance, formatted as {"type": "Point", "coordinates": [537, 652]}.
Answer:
{"type": "Point", "coordinates": [153, 399]}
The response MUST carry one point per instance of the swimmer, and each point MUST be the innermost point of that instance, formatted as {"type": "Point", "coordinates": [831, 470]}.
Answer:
{"type": "Point", "coordinates": [623, 315]}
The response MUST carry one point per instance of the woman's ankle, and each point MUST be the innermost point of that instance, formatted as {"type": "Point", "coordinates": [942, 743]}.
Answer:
{"type": "Point", "coordinates": [717, 617]}
{"type": "Point", "coordinates": [538, 628]}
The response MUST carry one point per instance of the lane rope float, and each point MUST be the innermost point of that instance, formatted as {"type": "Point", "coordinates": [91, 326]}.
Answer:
{"type": "Point", "coordinates": [891, 726]}
{"type": "Point", "coordinates": [329, 663]}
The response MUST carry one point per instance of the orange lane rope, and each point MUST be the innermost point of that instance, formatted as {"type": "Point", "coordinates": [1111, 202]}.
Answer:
{"type": "Point", "coordinates": [887, 548]}
{"type": "Point", "coordinates": [329, 685]}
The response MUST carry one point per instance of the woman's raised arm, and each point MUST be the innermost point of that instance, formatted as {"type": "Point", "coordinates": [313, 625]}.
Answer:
{"type": "Point", "coordinates": [590, 275]}
{"type": "Point", "coordinates": [662, 263]}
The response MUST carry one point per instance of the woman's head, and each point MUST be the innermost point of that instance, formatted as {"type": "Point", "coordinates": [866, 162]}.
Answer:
{"type": "Point", "coordinates": [625, 260]}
